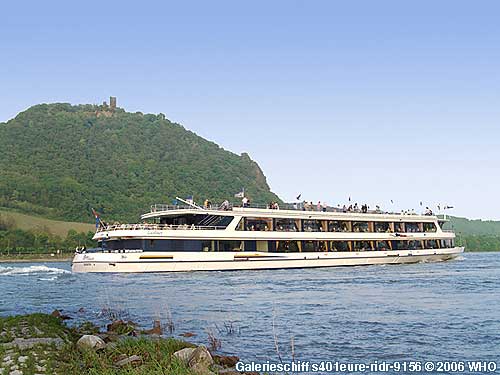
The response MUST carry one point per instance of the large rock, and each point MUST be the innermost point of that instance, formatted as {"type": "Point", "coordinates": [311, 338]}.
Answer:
{"type": "Point", "coordinates": [201, 360]}
{"type": "Point", "coordinates": [184, 354]}
{"type": "Point", "coordinates": [90, 342]}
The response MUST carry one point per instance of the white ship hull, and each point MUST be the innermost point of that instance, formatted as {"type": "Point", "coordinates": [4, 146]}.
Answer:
{"type": "Point", "coordinates": [226, 261]}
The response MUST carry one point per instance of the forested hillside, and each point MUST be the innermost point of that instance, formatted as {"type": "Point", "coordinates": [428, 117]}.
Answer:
{"type": "Point", "coordinates": [476, 235]}
{"type": "Point", "coordinates": [473, 227]}
{"type": "Point", "coordinates": [59, 160]}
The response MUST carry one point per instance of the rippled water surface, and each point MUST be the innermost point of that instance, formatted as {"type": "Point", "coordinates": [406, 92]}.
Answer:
{"type": "Point", "coordinates": [430, 311]}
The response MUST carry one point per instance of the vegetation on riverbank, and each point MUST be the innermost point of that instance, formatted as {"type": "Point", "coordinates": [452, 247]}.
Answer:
{"type": "Point", "coordinates": [14, 219]}
{"type": "Point", "coordinates": [479, 243]}
{"type": "Point", "coordinates": [475, 235]}
{"type": "Point", "coordinates": [44, 344]}
{"type": "Point", "coordinates": [39, 241]}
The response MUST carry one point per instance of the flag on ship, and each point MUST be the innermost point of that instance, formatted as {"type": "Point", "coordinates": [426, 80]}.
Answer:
{"type": "Point", "coordinates": [298, 196]}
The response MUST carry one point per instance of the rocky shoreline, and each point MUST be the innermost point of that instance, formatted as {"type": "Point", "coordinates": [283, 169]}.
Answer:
{"type": "Point", "coordinates": [39, 344]}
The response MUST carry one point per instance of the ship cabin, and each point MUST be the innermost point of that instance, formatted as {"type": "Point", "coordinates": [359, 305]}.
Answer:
{"type": "Point", "coordinates": [192, 228]}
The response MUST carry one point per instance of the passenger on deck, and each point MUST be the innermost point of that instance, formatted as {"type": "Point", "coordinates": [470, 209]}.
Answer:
{"type": "Point", "coordinates": [245, 202]}
{"type": "Point", "coordinates": [225, 205]}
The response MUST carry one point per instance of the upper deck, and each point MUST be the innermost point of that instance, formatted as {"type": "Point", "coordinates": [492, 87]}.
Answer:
{"type": "Point", "coordinates": [292, 211]}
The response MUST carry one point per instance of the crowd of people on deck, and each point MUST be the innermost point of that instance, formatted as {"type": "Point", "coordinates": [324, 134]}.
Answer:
{"type": "Point", "coordinates": [320, 206]}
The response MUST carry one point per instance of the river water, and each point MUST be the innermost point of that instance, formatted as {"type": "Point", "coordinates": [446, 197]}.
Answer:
{"type": "Point", "coordinates": [446, 311]}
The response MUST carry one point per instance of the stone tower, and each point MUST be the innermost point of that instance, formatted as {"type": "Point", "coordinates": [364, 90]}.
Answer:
{"type": "Point", "coordinates": [112, 102]}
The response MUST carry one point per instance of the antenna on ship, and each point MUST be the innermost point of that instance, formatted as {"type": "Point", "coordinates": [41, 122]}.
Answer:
{"type": "Point", "coordinates": [192, 204]}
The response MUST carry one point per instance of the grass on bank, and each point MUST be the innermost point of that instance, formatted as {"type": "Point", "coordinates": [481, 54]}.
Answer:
{"type": "Point", "coordinates": [156, 353]}
{"type": "Point", "coordinates": [157, 358]}
{"type": "Point", "coordinates": [30, 222]}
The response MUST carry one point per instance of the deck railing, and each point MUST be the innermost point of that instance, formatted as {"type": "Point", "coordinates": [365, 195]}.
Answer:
{"type": "Point", "coordinates": [114, 227]}
{"type": "Point", "coordinates": [283, 206]}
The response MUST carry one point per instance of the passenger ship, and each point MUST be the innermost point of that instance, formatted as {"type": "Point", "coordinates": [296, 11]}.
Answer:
{"type": "Point", "coordinates": [194, 238]}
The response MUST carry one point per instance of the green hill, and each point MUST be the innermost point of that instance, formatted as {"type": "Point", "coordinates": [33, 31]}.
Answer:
{"type": "Point", "coordinates": [59, 160]}
{"type": "Point", "coordinates": [476, 235]}
{"type": "Point", "coordinates": [39, 224]}
{"type": "Point", "coordinates": [476, 227]}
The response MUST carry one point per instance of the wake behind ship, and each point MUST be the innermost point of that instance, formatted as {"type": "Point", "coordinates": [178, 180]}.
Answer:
{"type": "Point", "coordinates": [194, 238]}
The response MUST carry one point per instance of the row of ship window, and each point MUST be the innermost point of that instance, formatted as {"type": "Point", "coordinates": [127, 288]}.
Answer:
{"type": "Point", "coordinates": [303, 225]}
{"type": "Point", "coordinates": [273, 245]}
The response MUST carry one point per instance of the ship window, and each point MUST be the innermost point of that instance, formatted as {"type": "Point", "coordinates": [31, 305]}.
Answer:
{"type": "Point", "coordinates": [399, 245]}
{"type": "Point", "coordinates": [220, 221]}
{"type": "Point", "coordinates": [263, 246]}
{"type": "Point", "coordinates": [250, 245]}
{"type": "Point", "coordinates": [360, 226]}
{"type": "Point", "coordinates": [429, 227]}
{"type": "Point", "coordinates": [339, 246]}
{"type": "Point", "coordinates": [383, 246]}
{"type": "Point", "coordinates": [322, 246]}
{"type": "Point", "coordinates": [431, 244]}
{"type": "Point", "coordinates": [258, 224]}
{"type": "Point", "coordinates": [446, 243]}
{"type": "Point", "coordinates": [382, 227]}
{"type": "Point", "coordinates": [414, 245]}
{"type": "Point", "coordinates": [311, 225]}
{"type": "Point", "coordinates": [309, 246]}
{"type": "Point", "coordinates": [399, 227]}
{"type": "Point", "coordinates": [288, 247]}
{"type": "Point", "coordinates": [412, 227]}
{"type": "Point", "coordinates": [230, 245]}
{"type": "Point", "coordinates": [207, 246]}
{"type": "Point", "coordinates": [362, 245]}
{"type": "Point", "coordinates": [286, 225]}
{"type": "Point", "coordinates": [338, 226]}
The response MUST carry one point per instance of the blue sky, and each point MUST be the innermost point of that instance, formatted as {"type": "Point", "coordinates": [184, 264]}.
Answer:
{"type": "Point", "coordinates": [376, 100]}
